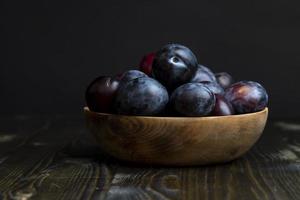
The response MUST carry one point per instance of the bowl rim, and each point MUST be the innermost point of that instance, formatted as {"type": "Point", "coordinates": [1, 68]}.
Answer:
{"type": "Point", "coordinates": [265, 110]}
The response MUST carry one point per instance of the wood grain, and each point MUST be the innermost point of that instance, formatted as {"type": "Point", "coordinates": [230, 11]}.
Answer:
{"type": "Point", "coordinates": [185, 141]}
{"type": "Point", "coordinates": [55, 158]}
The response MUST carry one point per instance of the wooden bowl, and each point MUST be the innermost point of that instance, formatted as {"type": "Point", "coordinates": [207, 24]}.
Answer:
{"type": "Point", "coordinates": [176, 140]}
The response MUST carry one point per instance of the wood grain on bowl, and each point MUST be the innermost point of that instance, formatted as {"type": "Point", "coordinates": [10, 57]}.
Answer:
{"type": "Point", "coordinates": [176, 140]}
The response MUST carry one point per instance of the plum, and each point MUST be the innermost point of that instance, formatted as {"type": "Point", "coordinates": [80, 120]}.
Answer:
{"type": "Point", "coordinates": [141, 96]}
{"type": "Point", "coordinates": [100, 93]}
{"type": "Point", "coordinates": [222, 107]}
{"type": "Point", "coordinates": [146, 63]}
{"type": "Point", "coordinates": [224, 79]}
{"type": "Point", "coordinates": [193, 99]}
{"type": "Point", "coordinates": [203, 74]}
{"type": "Point", "coordinates": [213, 86]}
{"type": "Point", "coordinates": [247, 96]}
{"type": "Point", "coordinates": [174, 65]}
{"type": "Point", "coordinates": [130, 75]}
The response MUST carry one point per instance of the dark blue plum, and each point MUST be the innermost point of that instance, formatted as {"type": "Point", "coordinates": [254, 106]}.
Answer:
{"type": "Point", "coordinates": [141, 96]}
{"type": "Point", "coordinates": [247, 96]}
{"type": "Point", "coordinates": [222, 107]}
{"type": "Point", "coordinates": [214, 87]}
{"type": "Point", "coordinates": [100, 93]}
{"type": "Point", "coordinates": [174, 65]}
{"type": "Point", "coordinates": [130, 75]}
{"type": "Point", "coordinates": [224, 79]}
{"type": "Point", "coordinates": [203, 74]}
{"type": "Point", "coordinates": [193, 99]}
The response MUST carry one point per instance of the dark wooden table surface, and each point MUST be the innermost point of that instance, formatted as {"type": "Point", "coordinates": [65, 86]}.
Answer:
{"type": "Point", "coordinates": [55, 158]}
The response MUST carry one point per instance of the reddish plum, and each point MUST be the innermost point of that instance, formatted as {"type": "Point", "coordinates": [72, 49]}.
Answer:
{"type": "Point", "coordinates": [222, 107]}
{"type": "Point", "coordinates": [100, 93]}
{"type": "Point", "coordinates": [247, 96]}
{"type": "Point", "coordinates": [146, 63]}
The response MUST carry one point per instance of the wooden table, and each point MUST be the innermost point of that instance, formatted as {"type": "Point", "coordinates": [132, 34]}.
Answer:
{"type": "Point", "coordinates": [55, 158]}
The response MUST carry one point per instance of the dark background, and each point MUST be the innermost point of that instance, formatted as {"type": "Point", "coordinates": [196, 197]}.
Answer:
{"type": "Point", "coordinates": [52, 49]}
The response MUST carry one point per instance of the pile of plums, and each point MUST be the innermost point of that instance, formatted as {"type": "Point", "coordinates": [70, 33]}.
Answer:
{"type": "Point", "coordinates": [171, 82]}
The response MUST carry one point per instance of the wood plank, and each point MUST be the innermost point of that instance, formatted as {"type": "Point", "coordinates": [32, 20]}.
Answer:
{"type": "Point", "coordinates": [65, 163]}
{"type": "Point", "coordinates": [16, 130]}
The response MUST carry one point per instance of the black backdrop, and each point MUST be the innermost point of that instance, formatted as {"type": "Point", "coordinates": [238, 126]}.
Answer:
{"type": "Point", "coordinates": [52, 49]}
